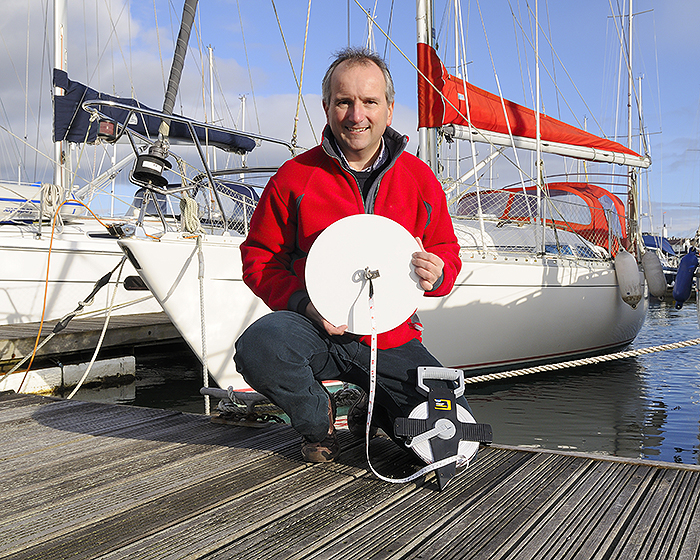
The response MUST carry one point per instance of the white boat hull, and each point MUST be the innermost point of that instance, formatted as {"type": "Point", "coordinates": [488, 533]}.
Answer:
{"type": "Point", "coordinates": [503, 312]}
{"type": "Point", "coordinates": [77, 260]}
{"type": "Point", "coordinates": [170, 269]}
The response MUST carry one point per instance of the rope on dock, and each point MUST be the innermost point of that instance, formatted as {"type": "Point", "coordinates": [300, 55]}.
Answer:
{"type": "Point", "coordinates": [581, 362]}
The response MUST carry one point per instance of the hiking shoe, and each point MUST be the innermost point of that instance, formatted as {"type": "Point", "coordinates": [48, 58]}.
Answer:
{"type": "Point", "coordinates": [357, 417]}
{"type": "Point", "coordinates": [326, 450]}
{"type": "Point", "coordinates": [321, 451]}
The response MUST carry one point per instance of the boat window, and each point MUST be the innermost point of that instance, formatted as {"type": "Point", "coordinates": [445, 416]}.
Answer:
{"type": "Point", "coordinates": [523, 206]}
{"type": "Point", "coordinates": [611, 215]}
{"type": "Point", "coordinates": [568, 207]}
{"type": "Point", "coordinates": [492, 204]}
{"type": "Point", "coordinates": [586, 252]}
{"type": "Point", "coordinates": [551, 249]}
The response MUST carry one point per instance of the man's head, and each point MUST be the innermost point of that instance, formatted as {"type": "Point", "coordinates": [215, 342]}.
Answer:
{"type": "Point", "coordinates": [358, 98]}
{"type": "Point", "coordinates": [357, 55]}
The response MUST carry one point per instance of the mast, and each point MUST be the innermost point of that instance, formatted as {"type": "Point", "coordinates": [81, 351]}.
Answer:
{"type": "Point", "coordinates": [632, 195]}
{"type": "Point", "coordinates": [427, 137]}
{"type": "Point", "coordinates": [538, 132]}
{"type": "Point", "coordinates": [60, 21]}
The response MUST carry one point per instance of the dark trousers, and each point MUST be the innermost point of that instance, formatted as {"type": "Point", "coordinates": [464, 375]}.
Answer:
{"type": "Point", "coordinates": [285, 356]}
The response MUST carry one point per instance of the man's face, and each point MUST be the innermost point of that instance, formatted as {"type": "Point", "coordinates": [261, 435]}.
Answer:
{"type": "Point", "coordinates": [358, 112]}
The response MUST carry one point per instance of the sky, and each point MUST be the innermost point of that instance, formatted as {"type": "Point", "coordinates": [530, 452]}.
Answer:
{"type": "Point", "coordinates": [124, 47]}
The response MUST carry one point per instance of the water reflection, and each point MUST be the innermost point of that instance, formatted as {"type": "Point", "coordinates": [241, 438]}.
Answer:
{"type": "Point", "coordinates": [643, 407]}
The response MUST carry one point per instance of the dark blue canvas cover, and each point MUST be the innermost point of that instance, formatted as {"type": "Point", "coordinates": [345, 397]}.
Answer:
{"type": "Point", "coordinates": [71, 123]}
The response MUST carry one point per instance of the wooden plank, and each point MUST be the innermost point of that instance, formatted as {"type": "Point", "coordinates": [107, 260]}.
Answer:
{"type": "Point", "coordinates": [136, 503]}
{"type": "Point", "coordinates": [659, 526]}
{"type": "Point", "coordinates": [82, 335]}
{"type": "Point", "coordinates": [512, 511]}
{"type": "Point", "coordinates": [86, 480]}
{"type": "Point", "coordinates": [425, 514]}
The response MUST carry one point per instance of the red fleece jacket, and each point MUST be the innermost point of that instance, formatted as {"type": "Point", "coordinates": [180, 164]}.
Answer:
{"type": "Point", "coordinates": [312, 191]}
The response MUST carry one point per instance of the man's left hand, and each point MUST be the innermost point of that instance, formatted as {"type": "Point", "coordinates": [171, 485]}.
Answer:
{"type": "Point", "coordinates": [428, 266]}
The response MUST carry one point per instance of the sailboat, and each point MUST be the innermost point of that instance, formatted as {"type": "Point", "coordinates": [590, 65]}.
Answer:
{"type": "Point", "coordinates": [53, 248]}
{"type": "Point", "coordinates": [534, 287]}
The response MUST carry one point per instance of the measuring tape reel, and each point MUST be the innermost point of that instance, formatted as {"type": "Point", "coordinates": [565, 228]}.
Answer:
{"type": "Point", "coordinates": [441, 428]}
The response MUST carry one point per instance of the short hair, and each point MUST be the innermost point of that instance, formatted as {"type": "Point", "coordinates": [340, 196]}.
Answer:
{"type": "Point", "coordinates": [357, 55]}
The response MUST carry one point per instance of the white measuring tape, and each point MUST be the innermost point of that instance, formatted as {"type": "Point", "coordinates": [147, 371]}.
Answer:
{"type": "Point", "coordinates": [464, 460]}
{"type": "Point", "coordinates": [338, 271]}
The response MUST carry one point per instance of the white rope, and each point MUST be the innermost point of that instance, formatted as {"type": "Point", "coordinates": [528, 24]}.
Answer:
{"type": "Point", "coordinates": [102, 334]}
{"type": "Point", "coordinates": [581, 362]}
{"type": "Point", "coordinates": [203, 327]}
{"type": "Point", "coordinates": [51, 198]}
{"type": "Point", "coordinates": [372, 391]}
{"type": "Point", "coordinates": [189, 218]}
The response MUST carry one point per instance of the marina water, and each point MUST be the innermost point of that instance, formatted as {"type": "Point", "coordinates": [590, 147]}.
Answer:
{"type": "Point", "coordinates": [641, 407]}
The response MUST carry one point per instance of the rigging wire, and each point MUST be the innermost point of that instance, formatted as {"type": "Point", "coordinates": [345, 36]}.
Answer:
{"type": "Point", "coordinates": [301, 76]}
{"type": "Point", "coordinates": [472, 144]}
{"type": "Point", "coordinates": [500, 95]}
{"type": "Point", "coordinates": [160, 50]}
{"type": "Point", "coordinates": [625, 51]}
{"type": "Point", "coordinates": [26, 80]}
{"type": "Point", "coordinates": [247, 60]}
{"type": "Point", "coordinates": [543, 65]}
{"type": "Point", "coordinates": [294, 74]}
{"type": "Point", "coordinates": [518, 54]}
{"type": "Point", "coordinates": [554, 67]}
{"type": "Point", "coordinates": [44, 56]}
{"type": "Point", "coordinates": [387, 53]}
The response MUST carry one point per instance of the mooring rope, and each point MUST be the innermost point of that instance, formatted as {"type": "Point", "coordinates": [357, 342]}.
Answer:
{"type": "Point", "coordinates": [102, 334]}
{"type": "Point", "coordinates": [189, 210]}
{"type": "Point", "coordinates": [581, 362]}
{"type": "Point", "coordinates": [203, 324]}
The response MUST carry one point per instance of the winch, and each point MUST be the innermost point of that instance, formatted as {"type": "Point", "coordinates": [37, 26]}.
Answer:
{"type": "Point", "coordinates": [441, 428]}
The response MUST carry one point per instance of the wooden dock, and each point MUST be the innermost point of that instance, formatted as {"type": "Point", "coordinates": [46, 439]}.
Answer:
{"type": "Point", "coordinates": [82, 334]}
{"type": "Point", "coordinates": [87, 480]}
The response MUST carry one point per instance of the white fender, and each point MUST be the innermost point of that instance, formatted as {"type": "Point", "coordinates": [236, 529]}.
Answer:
{"type": "Point", "coordinates": [627, 272]}
{"type": "Point", "coordinates": [654, 274]}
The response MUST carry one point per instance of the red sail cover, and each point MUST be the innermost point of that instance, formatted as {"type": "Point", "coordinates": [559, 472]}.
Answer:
{"type": "Point", "coordinates": [486, 110]}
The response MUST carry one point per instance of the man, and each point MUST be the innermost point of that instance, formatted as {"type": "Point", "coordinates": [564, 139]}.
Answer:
{"type": "Point", "coordinates": [360, 167]}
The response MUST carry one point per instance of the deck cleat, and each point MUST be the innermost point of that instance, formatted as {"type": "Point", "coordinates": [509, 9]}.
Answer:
{"type": "Point", "coordinates": [440, 428]}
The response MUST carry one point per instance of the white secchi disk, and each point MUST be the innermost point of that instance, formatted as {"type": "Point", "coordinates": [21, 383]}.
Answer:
{"type": "Point", "coordinates": [336, 280]}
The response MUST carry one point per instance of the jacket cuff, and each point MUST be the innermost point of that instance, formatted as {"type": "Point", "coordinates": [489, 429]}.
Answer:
{"type": "Point", "coordinates": [437, 284]}
{"type": "Point", "coordinates": [298, 302]}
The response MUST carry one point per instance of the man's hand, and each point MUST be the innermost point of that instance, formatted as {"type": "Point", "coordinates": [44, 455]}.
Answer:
{"type": "Point", "coordinates": [428, 266]}
{"type": "Point", "coordinates": [313, 314]}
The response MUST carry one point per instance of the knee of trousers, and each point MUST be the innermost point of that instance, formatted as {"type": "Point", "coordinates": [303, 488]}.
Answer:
{"type": "Point", "coordinates": [269, 345]}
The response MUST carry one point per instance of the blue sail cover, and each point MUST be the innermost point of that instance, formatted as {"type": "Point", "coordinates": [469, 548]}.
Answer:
{"type": "Point", "coordinates": [656, 242]}
{"type": "Point", "coordinates": [73, 124]}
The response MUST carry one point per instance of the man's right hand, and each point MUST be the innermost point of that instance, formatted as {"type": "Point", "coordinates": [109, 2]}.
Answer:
{"type": "Point", "coordinates": [313, 314]}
